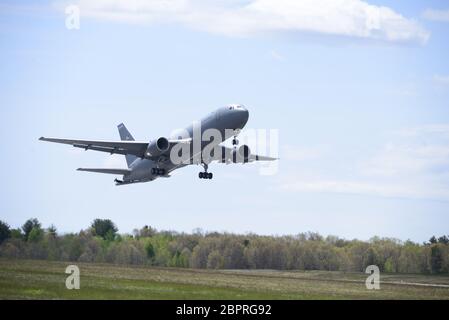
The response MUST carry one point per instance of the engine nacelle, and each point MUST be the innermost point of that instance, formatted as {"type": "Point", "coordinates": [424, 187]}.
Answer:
{"type": "Point", "coordinates": [157, 147]}
{"type": "Point", "coordinates": [241, 155]}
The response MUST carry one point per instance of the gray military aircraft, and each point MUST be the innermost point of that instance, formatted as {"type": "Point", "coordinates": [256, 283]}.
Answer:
{"type": "Point", "coordinates": [199, 144]}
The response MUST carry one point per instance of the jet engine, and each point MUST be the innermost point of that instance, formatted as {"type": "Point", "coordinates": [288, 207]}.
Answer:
{"type": "Point", "coordinates": [157, 147]}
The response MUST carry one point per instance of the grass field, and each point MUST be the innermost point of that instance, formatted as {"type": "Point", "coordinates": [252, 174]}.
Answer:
{"type": "Point", "coordinates": [25, 279]}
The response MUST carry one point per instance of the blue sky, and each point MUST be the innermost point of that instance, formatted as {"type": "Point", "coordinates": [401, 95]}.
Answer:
{"type": "Point", "coordinates": [359, 96]}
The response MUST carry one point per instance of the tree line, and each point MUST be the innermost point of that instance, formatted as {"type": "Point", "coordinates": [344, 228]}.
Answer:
{"type": "Point", "coordinates": [102, 243]}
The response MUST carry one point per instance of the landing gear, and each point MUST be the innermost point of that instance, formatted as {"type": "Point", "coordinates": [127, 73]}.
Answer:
{"type": "Point", "coordinates": [205, 174]}
{"type": "Point", "coordinates": [158, 172]}
{"type": "Point", "coordinates": [235, 141]}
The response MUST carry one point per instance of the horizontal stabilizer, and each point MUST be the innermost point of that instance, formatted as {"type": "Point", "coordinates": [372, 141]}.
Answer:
{"type": "Point", "coordinates": [108, 171]}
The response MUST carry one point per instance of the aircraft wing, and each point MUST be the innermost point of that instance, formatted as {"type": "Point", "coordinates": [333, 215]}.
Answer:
{"type": "Point", "coordinates": [113, 147]}
{"type": "Point", "coordinates": [227, 156]}
{"type": "Point", "coordinates": [108, 171]}
{"type": "Point", "coordinates": [255, 157]}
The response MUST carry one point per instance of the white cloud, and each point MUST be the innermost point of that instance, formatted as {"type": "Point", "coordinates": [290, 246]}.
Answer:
{"type": "Point", "coordinates": [415, 165]}
{"type": "Point", "coordinates": [439, 129]}
{"type": "Point", "coordinates": [399, 159]}
{"type": "Point", "coordinates": [436, 15]}
{"type": "Point", "coordinates": [351, 18]}
{"type": "Point", "coordinates": [276, 56]}
{"type": "Point", "coordinates": [441, 80]}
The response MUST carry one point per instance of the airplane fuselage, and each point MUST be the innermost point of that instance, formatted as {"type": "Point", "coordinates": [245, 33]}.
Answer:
{"type": "Point", "coordinates": [225, 120]}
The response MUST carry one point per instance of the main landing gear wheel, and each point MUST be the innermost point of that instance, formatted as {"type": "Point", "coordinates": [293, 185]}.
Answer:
{"type": "Point", "coordinates": [205, 174]}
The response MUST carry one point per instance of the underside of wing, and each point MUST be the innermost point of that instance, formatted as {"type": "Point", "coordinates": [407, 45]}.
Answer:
{"type": "Point", "coordinates": [255, 157]}
{"type": "Point", "coordinates": [107, 171]}
{"type": "Point", "coordinates": [231, 155]}
{"type": "Point", "coordinates": [113, 147]}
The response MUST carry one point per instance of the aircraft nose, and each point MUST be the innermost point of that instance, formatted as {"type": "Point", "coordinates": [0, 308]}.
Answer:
{"type": "Point", "coordinates": [236, 115]}
{"type": "Point", "coordinates": [243, 115]}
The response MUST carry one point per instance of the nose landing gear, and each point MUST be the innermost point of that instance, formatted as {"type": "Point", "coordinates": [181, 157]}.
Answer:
{"type": "Point", "coordinates": [205, 174]}
{"type": "Point", "coordinates": [235, 141]}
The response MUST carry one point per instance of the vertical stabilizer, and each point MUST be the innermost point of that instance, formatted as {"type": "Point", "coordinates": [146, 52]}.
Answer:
{"type": "Point", "coordinates": [125, 135]}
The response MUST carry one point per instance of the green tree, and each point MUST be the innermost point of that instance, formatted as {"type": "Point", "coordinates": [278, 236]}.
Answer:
{"type": "Point", "coordinates": [215, 260]}
{"type": "Point", "coordinates": [389, 265]}
{"type": "Point", "coordinates": [184, 258]}
{"type": "Point", "coordinates": [29, 225]}
{"type": "Point", "coordinates": [52, 232]}
{"type": "Point", "coordinates": [5, 231]}
{"type": "Point", "coordinates": [433, 240]}
{"type": "Point", "coordinates": [149, 249]}
{"type": "Point", "coordinates": [233, 256]}
{"type": "Point", "coordinates": [104, 228]}
{"type": "Point", "coordinates": [16, 233]}
{"type": "Point", "coordinates": [36, 234]}
{"type": "Point", "coordinates": [443, 240]}
{"type": "Point", "coordinates": [372, 257]}
{"type": "Point", "coordinates": [436, 258]}
{"type": "Point", "coordinates": [199, 257]}
{"type": "Point", "coordinates": [146, 232]}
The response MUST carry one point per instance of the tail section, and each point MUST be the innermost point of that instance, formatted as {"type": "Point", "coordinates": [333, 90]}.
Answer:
{"type": "Point", "coordinates": [125, 135]}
